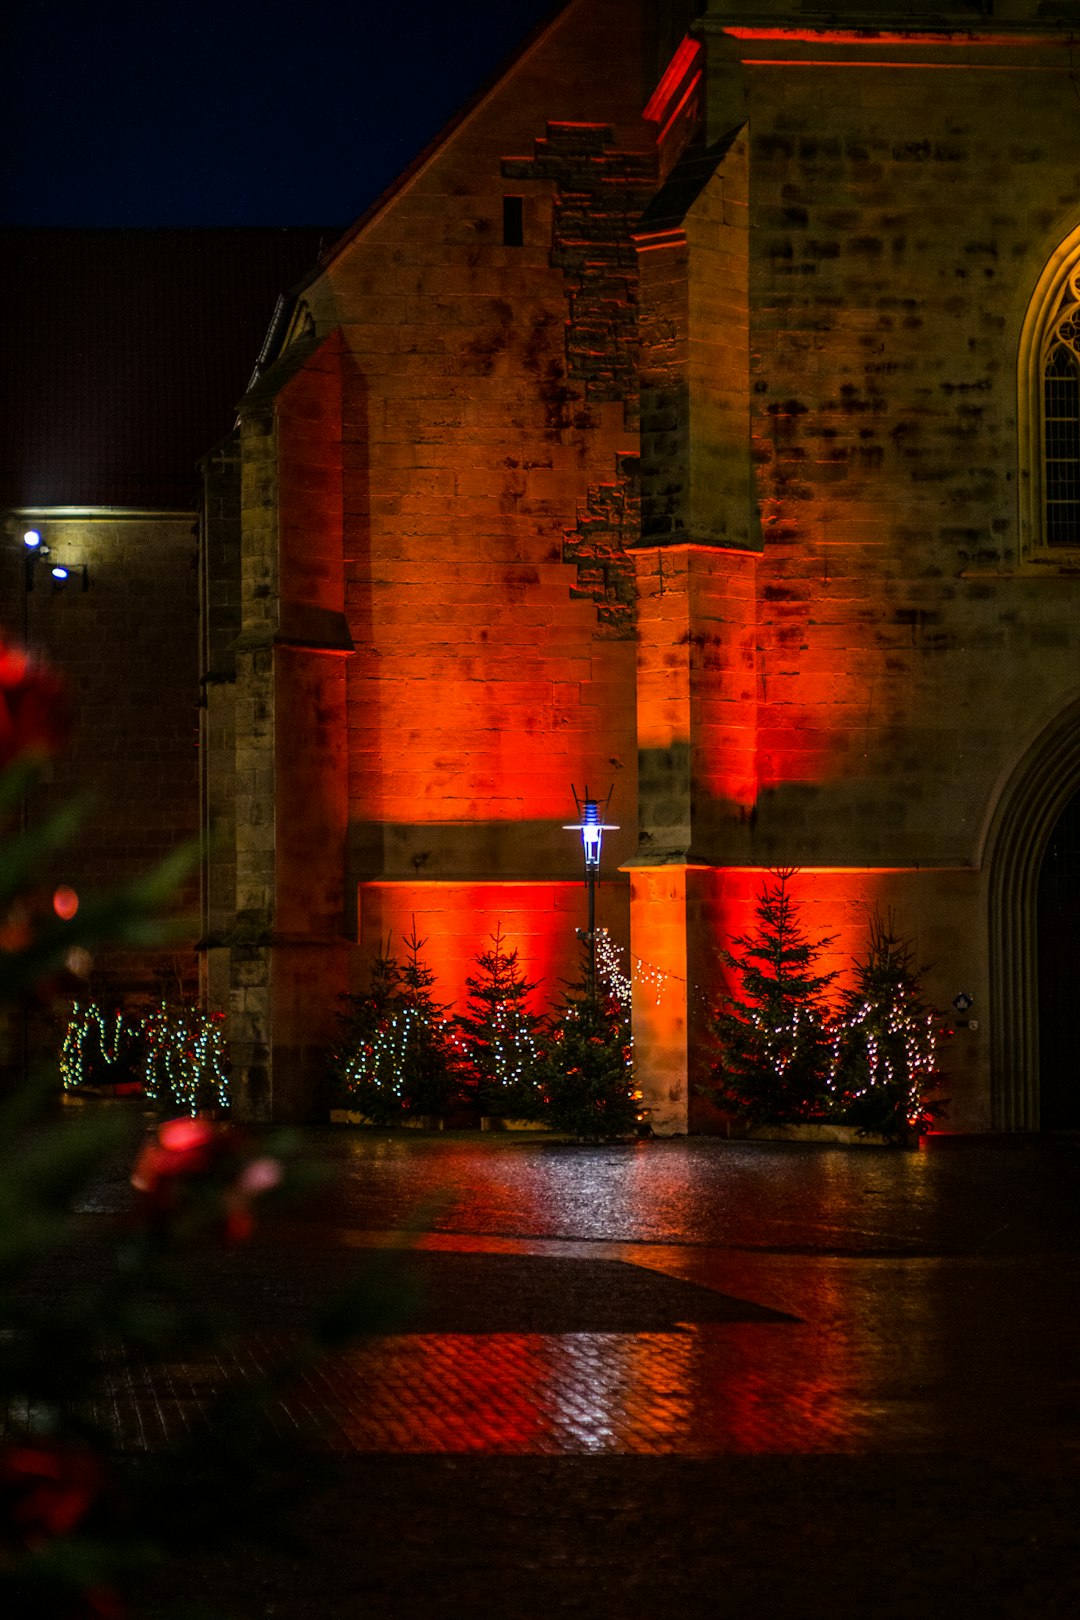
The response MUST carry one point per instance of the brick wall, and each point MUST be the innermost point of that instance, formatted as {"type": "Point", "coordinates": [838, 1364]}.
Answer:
{"type": "Point", "coordinates": [127, 648]}
{"type": "Point", "coordinates": [907, 653]}
{"type": "Point", "coordinates": [899, 237]}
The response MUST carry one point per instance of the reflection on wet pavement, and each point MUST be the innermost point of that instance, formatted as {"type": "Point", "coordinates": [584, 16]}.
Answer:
{"type": "Point", "coordinates": [592, 1301]}
{"type": "Point", "coordinates": [913, 1360]}
{"type": "Point", "coordinates": [713, 1193]}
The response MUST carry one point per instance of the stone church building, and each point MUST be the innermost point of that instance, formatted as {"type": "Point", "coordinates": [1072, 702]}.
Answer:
{"type": "Point", "coordinates": [698, 419]}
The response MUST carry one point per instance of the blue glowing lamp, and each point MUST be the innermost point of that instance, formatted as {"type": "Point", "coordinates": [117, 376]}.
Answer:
{"type": "Point", "coordinates": [591, 828]}
{"type": "Point", "coordinates": [31, 540]}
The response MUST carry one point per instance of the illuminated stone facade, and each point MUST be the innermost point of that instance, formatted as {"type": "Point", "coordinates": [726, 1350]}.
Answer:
{"type": "Point", "coordinates": [673, 425]}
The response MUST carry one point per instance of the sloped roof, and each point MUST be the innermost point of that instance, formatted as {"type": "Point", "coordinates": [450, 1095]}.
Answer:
{"type": "Point", "coordinates": [438, 141]}
{"type": "Point", "coordinates": [669, 207]}
{"type": "Point", "coordinates": [125, 351]}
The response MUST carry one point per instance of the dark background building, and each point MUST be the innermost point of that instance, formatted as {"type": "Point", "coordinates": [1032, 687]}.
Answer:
{"type": "Point", "coordinates": [125, 352]}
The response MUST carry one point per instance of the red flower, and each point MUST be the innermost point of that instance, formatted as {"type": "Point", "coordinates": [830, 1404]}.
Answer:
{"type": "Point", "coordinates": [33, 713]}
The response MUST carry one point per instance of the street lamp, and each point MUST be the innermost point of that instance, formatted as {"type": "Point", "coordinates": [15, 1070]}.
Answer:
{"type": "Point", "coordinates": [592, 831]}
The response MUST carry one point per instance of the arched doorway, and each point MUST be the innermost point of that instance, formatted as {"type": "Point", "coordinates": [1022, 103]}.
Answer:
{"type": "Point", "coordinates": [1035, 802]}
{"type": "Point", "coordinates": [1058, 948]}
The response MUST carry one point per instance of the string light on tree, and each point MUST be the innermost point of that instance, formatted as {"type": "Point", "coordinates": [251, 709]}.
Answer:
{"type": "Point", "coordinates": [609, 967]}
{"type": "Point", "coordinates": [93, 1039]}
{"type": "Point", "coordinates": [185, 1061]}
{"type": "Point", "coordinates": [499, 1034]}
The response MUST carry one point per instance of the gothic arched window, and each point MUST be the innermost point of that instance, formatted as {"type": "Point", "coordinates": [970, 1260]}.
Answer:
{"type": "Point", "coordinates": [1061, 445]}
{"type": "Point", "coordinates": [1049, 413]}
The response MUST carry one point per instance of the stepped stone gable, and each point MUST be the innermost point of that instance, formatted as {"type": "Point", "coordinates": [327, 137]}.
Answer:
{"type": "Point", "coordinates": [598, 195]}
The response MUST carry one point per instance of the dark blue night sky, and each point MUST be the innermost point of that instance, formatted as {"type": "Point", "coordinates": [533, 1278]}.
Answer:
{"type": "Point", "coordinates": [234, 113]}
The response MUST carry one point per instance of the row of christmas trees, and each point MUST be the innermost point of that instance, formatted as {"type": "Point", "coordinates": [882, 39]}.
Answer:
{"type": "Point", "coordinates": [784, 1050]}
{"type": "Point", "coordinates": [787, 1053]}
{"type": "Point", "coordinates": [401, 1052]}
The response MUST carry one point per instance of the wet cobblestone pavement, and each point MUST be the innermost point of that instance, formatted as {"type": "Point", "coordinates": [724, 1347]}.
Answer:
{"type": "Point", "coordinates": [694, 1377]}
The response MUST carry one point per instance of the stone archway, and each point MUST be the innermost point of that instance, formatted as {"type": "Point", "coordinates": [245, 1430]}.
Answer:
{"type": "Point", "coordinates": [1058, 944]}
{"type": "Point", "coordinates": [1028, 811]}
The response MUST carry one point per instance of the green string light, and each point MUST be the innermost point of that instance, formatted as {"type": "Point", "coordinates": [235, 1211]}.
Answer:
{"type": "Point", "coordinates": [183, 1057]}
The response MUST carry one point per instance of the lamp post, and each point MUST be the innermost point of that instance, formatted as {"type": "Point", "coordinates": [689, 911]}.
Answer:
{"type": "Point", "coordinates": [592, 831]}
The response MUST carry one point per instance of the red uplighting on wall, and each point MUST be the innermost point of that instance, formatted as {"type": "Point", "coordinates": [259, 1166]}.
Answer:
{"type": "Point", "coordinates": [876, 36]}
{"type": "Point", "coordinates": [680, 80]}
{"type": "Point", "coordinates": [457, 921]}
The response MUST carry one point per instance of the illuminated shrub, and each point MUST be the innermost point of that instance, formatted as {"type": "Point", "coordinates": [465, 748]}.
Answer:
{"type": "Point", "coordinates": [773, 1040]}
{"type": "Point", "coordinates": [100, 1049]}
{"type": "Point", "coordinates": [784, 1056]}
{"type": "Point", "coordinates": [185, 1065]}
{"type": "Point", "coordinates": [588, 1074]}
{"type": "Point", "coordinates": [176, 1053]}
{"type": "Point", "coordinates": [395, 1054]}
{"type": "Point", "coordinates": [501, 1038]}
{"type": "Point", "coordinates": [885, 1043]}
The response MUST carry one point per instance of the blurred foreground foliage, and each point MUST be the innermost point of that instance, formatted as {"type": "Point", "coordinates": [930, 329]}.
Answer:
{"type": "Point", "coordinates": [94, 1306]}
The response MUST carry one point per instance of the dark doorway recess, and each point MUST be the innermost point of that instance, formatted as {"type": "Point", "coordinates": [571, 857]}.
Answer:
{"type": "Point", "coordinates": [1059, 974]}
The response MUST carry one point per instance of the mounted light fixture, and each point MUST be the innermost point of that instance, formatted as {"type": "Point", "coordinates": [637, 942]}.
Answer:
{"type": "Point", "coordinates": [34, 548]}
{"type": "Point", "coordinates": [62, 574]}
{"type": "Point", "coordinates": [35, 551]}
{"type": "Point", "coordinates": [592, 831]}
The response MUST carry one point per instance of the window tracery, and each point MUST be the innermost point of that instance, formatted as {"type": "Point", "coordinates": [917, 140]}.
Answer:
{"type": "Point", "coordinates": [1048, 416]}
{"type": "Point", "coordinates": [1061, 421]}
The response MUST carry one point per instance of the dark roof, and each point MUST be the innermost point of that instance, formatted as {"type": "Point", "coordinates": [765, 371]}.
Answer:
{"type": "Point", "coordinates": [125, 353]}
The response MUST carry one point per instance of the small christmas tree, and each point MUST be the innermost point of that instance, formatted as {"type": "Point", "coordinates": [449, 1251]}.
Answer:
{"type": "Point", "coordinates": [365, 1064]}
{"type": "Point", "coordinates": [394, 1055]}
{"type": "Point", "coordinates": [428, 1078]}
{"type": "Point", "coordinates": [885, 1066]}
{"type": "Point", "coordinates": [588, 1074]}
{"type": "Point", "coordinates": [501, 1037]}
{"type": "Point", "coordinates": [774, 1052]}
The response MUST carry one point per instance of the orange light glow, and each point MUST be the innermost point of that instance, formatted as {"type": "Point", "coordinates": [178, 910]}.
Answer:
{"type": "Point", "coordinates": [917, 67]}
{"type": "Point", "coordinates": [695, 1392]}
{"type": "Point", "coordinates": [834, 904]}
{"type": "Point", "coordinates": [681, 80]}
{"type": "Point", "coordinates": [457, 920]}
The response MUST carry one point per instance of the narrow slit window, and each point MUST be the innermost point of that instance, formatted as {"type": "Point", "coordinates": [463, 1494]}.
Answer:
{"type": "Point", "coordinates": [1061, 424]}
{"type": "Point", "coordinates": [513, 221]}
